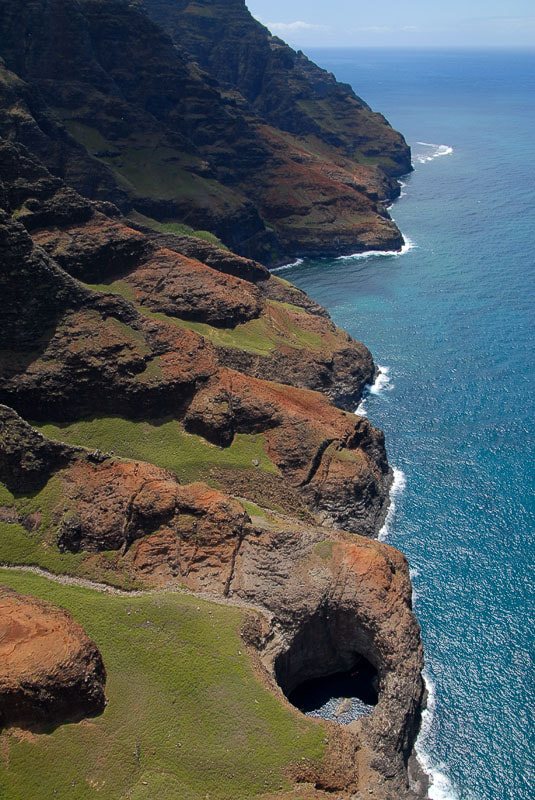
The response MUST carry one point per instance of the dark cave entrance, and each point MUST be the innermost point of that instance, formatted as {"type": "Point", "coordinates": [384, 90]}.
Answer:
{"type": "Point", "coordinates": [324, 672]}
{"type": "Point", "coordinates": [342, 696]}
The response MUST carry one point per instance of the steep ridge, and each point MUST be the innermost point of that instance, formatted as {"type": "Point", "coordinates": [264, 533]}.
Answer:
{"type": "Point", "coordinates": [284, 87]}
{"type": "Point", "coordinates": [191, 424]}
{"type": "Point", "coordinates": [122, 113]}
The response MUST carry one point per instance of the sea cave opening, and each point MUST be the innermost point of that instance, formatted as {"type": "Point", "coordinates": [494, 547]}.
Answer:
{"type": "Point", "coordinates": [328, 670]}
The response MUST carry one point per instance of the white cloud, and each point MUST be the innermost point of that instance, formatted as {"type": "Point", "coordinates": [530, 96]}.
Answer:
{"type": "Point", "coordinates": [294, 27]}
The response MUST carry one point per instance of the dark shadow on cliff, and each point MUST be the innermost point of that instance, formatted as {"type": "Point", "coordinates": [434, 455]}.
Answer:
{"type": "Point", "coordinates": [360, 682]}
{"type": "Point", "coordinates": [330, 657]}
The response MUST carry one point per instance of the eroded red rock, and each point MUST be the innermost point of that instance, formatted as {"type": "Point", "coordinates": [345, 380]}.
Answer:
{"type": "Point", "coordinates": [50, 671]}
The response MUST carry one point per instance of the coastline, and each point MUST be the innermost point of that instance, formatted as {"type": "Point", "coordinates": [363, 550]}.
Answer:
{"type": "Point", "coordinates": [407, 246]}
{"type": "Point", "coordinates": [458, 313]}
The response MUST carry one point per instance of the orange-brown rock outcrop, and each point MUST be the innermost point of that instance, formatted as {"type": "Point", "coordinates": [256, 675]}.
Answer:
{"type": "Point", "coordinates": [107, 315]}
{"type": "Point", "coordinates": [328, 598]}
{"type": "Point", "coordinates": [50, 671]}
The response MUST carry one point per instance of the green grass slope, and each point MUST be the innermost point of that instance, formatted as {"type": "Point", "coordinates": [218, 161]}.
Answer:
{"type": "Point", "coordinates": [187, 717]}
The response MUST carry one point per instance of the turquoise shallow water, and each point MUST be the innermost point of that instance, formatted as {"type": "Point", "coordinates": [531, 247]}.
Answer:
{"type": "Point", "coordinates": [453, 321]}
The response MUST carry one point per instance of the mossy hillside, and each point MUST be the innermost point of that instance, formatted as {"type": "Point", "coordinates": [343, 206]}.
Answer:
{"type": "Point", "coordinates": [141, 164]}
{"type": "Point", "coordinates": [176, 227]}
{"type": "Point", "coordinates": [255, 511]}
{"type": "Point", "coordinates": [276, 327]}
{"type": "Point", "coordinates": [35, 542]}
{"type": "Point", "coordinates": [163, 442]}
{"type": "Point", "coordinates": [187, 718]}
{"type": "Point", "coordinates": [324, 549]}
{"type": "Point", "coordinates": [279, 325]}
{"type": "Point", "coordinates": [329, 121]}
{"type": "Point", "coordinates": [145, 166]}
{"type": "Point", "coordinates": [200, 10]}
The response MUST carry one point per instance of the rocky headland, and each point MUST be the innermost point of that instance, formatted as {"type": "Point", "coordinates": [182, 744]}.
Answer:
{"type": "Point", "coordinates": [174, 416]}
{"type": "Point", "coordinates": [192, 114]}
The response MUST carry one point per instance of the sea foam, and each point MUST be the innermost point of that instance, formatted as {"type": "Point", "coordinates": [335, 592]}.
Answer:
{"type": "Point", "coordinates": [383, 382]}
{"type": "Point", "coordinates": [362, 408]}
{"type": "Point", "coordinates": [440, 786]}
{"type": "Point", "coordinates": [435, 151]}
{"type": "Point", "coordinates": [407, 246]}
{"type": "Point", "coordinates": [398, 487]}
{"type": "Point", "coordinates": [295, 263]}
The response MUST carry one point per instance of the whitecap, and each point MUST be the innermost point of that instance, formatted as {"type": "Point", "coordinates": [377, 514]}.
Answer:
{"type": "Point", "coordinates": [383, 381]}
{"type": "Point", "coordinates": [440, 786]}
{"type": "Point", "coordinates": [295, 263]}
{"type": "Point", "coordinates": [402, 193]}
{"type": "Point", "coordinates": [408, 245]}
{"type": "Point", "coordinates": [402, 186]}
{"type": "Point", "coordinates": [362, 408]}
{"type": "Point", "coordinates": [436, 151]}
{"type": "Point", "coordinates": [398, 487]}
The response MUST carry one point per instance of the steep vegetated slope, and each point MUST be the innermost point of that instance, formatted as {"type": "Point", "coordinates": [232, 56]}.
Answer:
{"type": "Point", "coordinates": [176, 418]}
{"type": "Point", "coordinates": [263, 149]}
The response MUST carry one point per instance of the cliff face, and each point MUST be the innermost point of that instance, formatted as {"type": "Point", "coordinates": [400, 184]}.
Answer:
{"type": "Point", "coordinates": [282, 86]}
{"type": "Point", "coordinates": [328, 599]}
{"type": "Point", "coordinates": [74, 350]}
{"type": "Point", "coordinates": [115, 333]}
{"type": "Point", "coordinates": [264, 149]}
{"type": "Point", "coordinates": [191, 413]}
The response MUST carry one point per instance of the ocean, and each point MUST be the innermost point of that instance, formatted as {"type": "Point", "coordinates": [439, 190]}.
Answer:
{"type": "Point", "coordinates": [451, 322]}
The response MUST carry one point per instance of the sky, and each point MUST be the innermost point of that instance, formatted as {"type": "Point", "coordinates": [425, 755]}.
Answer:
{"type": "Point", "coordinates": [401, 23]}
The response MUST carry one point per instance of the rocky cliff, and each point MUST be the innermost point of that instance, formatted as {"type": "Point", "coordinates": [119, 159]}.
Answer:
{"type": "Point", "coordinates": [175, 121]}
{"type": "Point", "coordinates": [173, 415]}
{"type": "Point", "coordinates": [327, 599]}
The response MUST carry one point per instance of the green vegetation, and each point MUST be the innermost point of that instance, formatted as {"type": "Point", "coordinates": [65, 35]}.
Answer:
{"type": "Point", "coordinates": [324, 549]}
{"type": "Point", "coordinates": [30, 537]}
{"type": "Point", "coordinates": [187, 718]}
{"type": "Point", "coordinates": [121, 287]}
{"type": "Point", "coordinates": [18, 546]}
{"type": "Point", "coordinates": [262, 335]}
{"type": "Point", "coordinates": [143, 166]}
{"type": "Point", "coordinates": [254, 511]}
{"type": "Point", "coordinates": [146, 166]}
{"type": "Point", "coordinates": [180, 228]}
{"type": "Point", "coordinates": [162, 442]}
{"type": "Point", "coordinates": [200, 10]}
{"type": "Point", "coordinates": [277, 326]}
{"type": "Point", "coordinates": [36, 544]}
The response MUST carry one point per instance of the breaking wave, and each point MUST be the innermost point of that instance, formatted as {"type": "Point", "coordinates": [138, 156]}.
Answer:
{"type": "Point", "coordinates": [295, 263]}
{"type": "Point", "coordinates": [383, 381]}
{"type": "Point", "coordinates": [440, 786]}
{"type": "Point", "coordinates": [408, 245]}
{"type": "Point", "coordinates": [398, 487]}
{"type": "Point", "coordinates": [433, 151]}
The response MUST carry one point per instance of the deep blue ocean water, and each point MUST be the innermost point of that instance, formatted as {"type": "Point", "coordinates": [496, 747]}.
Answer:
{"type": "Point", "coordinates": [453, 320]}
